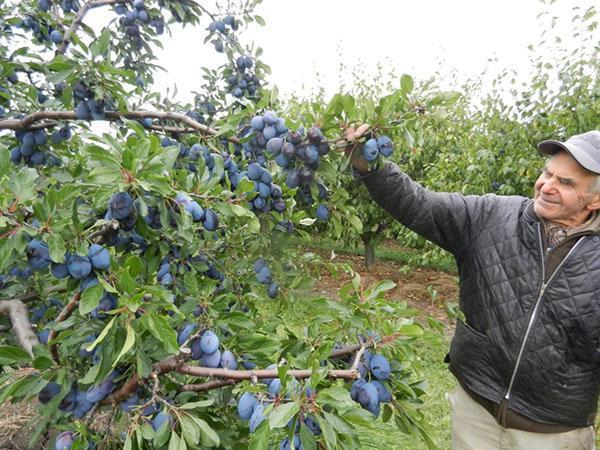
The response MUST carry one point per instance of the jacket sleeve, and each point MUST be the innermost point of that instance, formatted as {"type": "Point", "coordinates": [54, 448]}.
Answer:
{"type": "Point", "coordinates": [451, 220]}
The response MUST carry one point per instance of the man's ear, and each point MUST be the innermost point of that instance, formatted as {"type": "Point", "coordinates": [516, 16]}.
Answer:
{"type": "Point", "coordinates": [594, 205]}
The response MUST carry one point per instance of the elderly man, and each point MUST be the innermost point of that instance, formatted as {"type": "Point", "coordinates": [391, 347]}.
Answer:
{"type": "Point", "coordinates": [527, 355]}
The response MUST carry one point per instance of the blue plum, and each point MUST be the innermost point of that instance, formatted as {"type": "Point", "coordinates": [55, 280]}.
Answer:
{"type": "Point", "coordinates": [264, 275]}
{"type": "Point", "coordinates": [228, 360]}
{"type": "Point", "coordinates": [368, 398]}
{"type": "Point", "coordinates": [385, 396]}
{"type": "Point", "coordinates": [386, 146]}
{"type": "Point", "coordinates": [257, 417]}
{"type": "Point", "coordinates": [48, 392]}
{"type": "Point", "coordinates": [79, 266]}
{"type": "Point", "coordinates": [211, 359]}
{"type": "Point", "coordinates": [273, 290]}
{"type": "Point", "coordinates": [99, 257]}
{"type": "Point", "coordinates": [184, 334]}
{"type": "Point", "coordinates": [371, 150]}
{"type": "Point", "coordinates": [246, 405]}
{"type": "Point", "coordinates": [121, 206]}
{"type": "Point", "coordinates": [380, 367]}
{"type": "Point", "coordinates": [323, 213]}
{"type": "Point", "coordinates": [211, 220]}
{"type": "Point", "coordinates": [209, 342]}
{"type": "Point", "coordinates": [99, 392]}
{"type": "Point", "coordinates": [161, 418]}
{"type": "Point", "coordinates": [38, 254]}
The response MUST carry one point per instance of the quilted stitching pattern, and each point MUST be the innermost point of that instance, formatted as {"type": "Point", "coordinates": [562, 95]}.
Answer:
{"type": "Point", "coordinates": [496, 246]}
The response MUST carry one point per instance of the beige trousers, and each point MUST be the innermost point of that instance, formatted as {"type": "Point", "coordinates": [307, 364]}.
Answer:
{"type": "Point", "coordinates": [474, 428]}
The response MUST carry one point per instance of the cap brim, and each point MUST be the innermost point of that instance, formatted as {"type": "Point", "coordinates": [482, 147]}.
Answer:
{"type": "Point", "coordinates": [550, 147]}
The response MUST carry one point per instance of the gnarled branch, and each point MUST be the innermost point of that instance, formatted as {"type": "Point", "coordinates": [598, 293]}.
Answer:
{"type": "Point", "coordinates": [19, 317]}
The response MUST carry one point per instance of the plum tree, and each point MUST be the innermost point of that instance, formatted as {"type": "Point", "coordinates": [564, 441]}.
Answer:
{"type": "Point", "coordinates": [166, 241]}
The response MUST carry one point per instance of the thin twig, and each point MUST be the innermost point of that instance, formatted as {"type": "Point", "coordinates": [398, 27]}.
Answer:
{"type": "Point", "coordinates": [62, 316]}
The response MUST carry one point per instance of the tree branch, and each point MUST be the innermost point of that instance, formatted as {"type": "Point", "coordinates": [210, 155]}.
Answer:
{"type": "Point", "coordinates": [237, 376]}
{"type": "Point", "coordinates": [63, 315]}
{"type": "Point", "coordinates": [19, 317]}
{"type": "Point", "coordinates": [112, 116]}
{"type": "Point", "coordinates": [83, 9]}
{"type": "Point", "coordinates": [34, 295]}
{"type": "Point", "coordinates": [166, 365]}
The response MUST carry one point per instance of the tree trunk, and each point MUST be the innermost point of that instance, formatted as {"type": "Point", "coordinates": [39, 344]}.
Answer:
{"type": "Point", "coordinates": [369, 251]}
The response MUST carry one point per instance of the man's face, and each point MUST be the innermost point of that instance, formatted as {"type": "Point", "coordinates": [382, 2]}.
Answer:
{"type": "Point", "coordinates": [562, 192]}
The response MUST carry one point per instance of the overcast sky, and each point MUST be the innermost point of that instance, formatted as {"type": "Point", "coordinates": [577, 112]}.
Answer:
{"type": "Point", "coordinates": [305, 41]}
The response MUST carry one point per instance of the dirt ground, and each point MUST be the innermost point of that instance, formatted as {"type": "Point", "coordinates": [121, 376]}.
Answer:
{"type": "Point", "coordinates": [415, 287]}
{"type": "Point", "coordinates": [424, 289]}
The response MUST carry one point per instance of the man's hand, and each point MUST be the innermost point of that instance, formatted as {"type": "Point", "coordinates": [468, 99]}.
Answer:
{"type": "Point", "coordinates": [354, 151]}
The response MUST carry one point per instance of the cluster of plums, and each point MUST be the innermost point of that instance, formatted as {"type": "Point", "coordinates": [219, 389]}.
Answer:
{"type": "Point", "coordinates": [31, 148]}
{"type": "Point", "coordinates": [370, 394]}
{"type": "Point", "coordinates": [264, 276]}
{"type": "Point", "coordinates": [132, 19]}
{"type": "Point", "coordinates": [374, 147]}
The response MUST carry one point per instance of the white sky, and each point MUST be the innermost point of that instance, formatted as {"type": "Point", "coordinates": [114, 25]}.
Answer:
{"type": "Point", "coordinates": [305, 41]}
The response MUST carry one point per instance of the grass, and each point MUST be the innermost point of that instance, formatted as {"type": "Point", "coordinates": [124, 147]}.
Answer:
{"type": "Point", "coordinates": [384, 251]}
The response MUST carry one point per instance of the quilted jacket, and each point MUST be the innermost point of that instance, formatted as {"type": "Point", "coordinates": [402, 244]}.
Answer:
{"type": "Point", "coordinates": [533, 343]}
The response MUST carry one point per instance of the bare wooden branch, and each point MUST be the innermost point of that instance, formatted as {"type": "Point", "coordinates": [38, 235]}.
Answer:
{"type": "Point", "coordinates": [215, 384]}
{"type": "Point", "coordinates": [237, 376]}
{"type": "Point", "coordinates": [240, 375]}
{"type": "Point", "coordinates": [129, 387]}
{"type": "Point", "coordinates": [40, 116]}
{"type": "Point", "coordinates": [359, 354]}
{"type": "Point", "coordinates": [19, 317]}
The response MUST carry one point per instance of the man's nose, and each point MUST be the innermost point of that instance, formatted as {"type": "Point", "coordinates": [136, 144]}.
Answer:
{"type": "Point", "coordinates": [549, 185]}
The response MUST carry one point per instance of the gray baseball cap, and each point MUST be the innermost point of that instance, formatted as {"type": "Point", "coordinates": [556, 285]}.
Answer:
{"type": "Point", "coordinates": [585, 148]}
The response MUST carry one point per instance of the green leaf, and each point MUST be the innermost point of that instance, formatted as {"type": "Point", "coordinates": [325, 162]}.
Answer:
{"type": "Point", "coordinates": [56, 247]}
{"type": "Point", "coordinates": [328, 432]}
{"type": "Point", "coordinates": [22, 184]}
{"type": "Point", "coordinates": [161, 330]}
{"type": "Point", "coordinates": [355, 222]}
{"type": "Point", "coordinates": [337, 397]}
{"type": "Point", "coordinates": [129, 341]}
{"type": "Point", "coordinates": [143, 364]}
{"type": "Point", "coordinates": [381, 287]}
{"type": "Point", "coordinates": [176, 443]}
{"type": "Point", "coordinates": [281, 415]}
{"type": "Point", "coordinates": [199, 404]}
{"type": "Point", "coordinates": [100, 46]}
{"type": "Point", "coordinates": [190, 430]}
{"type": "Point", "coordinates": [412, 330]}
{"type": "Point", "coordinates": [10, 354]}
{"type": "Point", "coordinates": [102, 335]}
{"type": "Point", "coordinates": [307, 438]}
{"type": "Point", "coordinates": [90, 299]}
{"type": "Point", "coordinates": [406, 83]}
{"type": "Point", "coordinates": [126, 281]}
{"type": "Point", "coordinates": [209, 436]}
{"type": "Point", "coordinates": [259, 440]}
